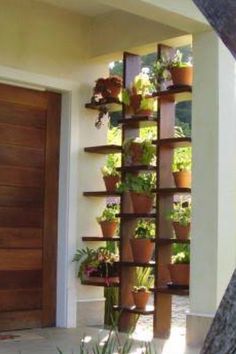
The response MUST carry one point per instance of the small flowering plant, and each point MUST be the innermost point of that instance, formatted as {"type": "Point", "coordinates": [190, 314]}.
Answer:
{"type": "Point", "coordinates": [99, 262]}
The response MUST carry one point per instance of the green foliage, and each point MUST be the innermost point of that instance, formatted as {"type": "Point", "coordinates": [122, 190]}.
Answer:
{"type": "Point", "coordinates": [182, 159]}
{"type": "Point", "coordinates": [114, 136]}
{"type": "Point", "coordinates": [180, 214]}
{"type": "Point", "coordinates": [159, 73]}
{"type": "Point", "coordinates": [142, 85]}
{"type": "Point", "coordinates": [144, 183]}
{"type": "Point", "coordinates": [109, 213]}
{"type": "Point", "coordinates": [148, 150]}
{"type": "Point", "coordinates": [181, 258]}
{"type": "Point", "coordinates": [113, 161]}
{"type": "Point", "coordinates": [144, 278]}
{"type": "Point", "coordinates": [139, 289]}
{"type": "Point", "coordinates": [145, 229]}
{"type": "Point", "coordinates": [178, 61]}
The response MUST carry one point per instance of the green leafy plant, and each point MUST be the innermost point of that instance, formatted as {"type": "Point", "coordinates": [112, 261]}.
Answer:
{"type": "Point", "coordinates": [181, 258]}
{"type": "Point", "coordinates": [144, 183]}
{"type": "Point", "coordinates": [178, 62]}
{"type": "Point", "coordinates": [148, 150]}
{"type": "Point", "coordinates": [180, 213]}
{"type": "Point", "coordinates": [182, 159]}
{"type": "Point", "coordinates": [160, 73]}
{"type": "Point", "coordinates": [144, 278]}
{"type": "Point", "coordinates": [112, 163]}
{"type": "Point", "coordinates": [109, 213]}
{"type": "Point", "coordinates": [145, 229]}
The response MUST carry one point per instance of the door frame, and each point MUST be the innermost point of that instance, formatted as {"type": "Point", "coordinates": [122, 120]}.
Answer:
{"type": "Point", "coordinates": [67, 213]}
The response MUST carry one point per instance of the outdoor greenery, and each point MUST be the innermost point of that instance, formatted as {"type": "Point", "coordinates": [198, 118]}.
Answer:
{"type": "Point", "coordinates": [145, 229]}
{"type": "Point", "coordinates": [113, 161]}
{"type": "Point", "coordinates": [148, 150]}
{"type": "Point", "coordinates": [180, 213]}
{"type": "Point", "coordinates": [182, 159]}
{"type": "Point", "coordinates": [109, 213]}
{"type": "Point", "coordinates": [181, 258]}
{"type": "Point", "coordinates": [143, 183]}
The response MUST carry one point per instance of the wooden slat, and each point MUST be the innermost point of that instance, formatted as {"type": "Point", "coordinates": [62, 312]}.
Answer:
{"type": "Point", "coordinates": [21, 217]}
{"type": "Point", "coordinates": [20, 196]}
{"type": "Point", "coordinates": [23, 136]}
{"type": "Point", "coordinates": [17, 114]}
{"type": "Point", "coordinates": [51, 209]}
{"type": "Point", "coordinates": [21, 156]}
{"type": "Point", "coordinates": [20, 320]}
{"type": "Point", "coordinates": [20, 238]}
{"type": "Point", "coordinates": [17, 176]}
{"type": "Point", "coordinates": [23, 96]}
{"type": "Point", "coordinates": [15, 300]}
{"type": "Point", "coordinates": [20, 279]}
{"type": "Point", "coordinates": [20, 259]}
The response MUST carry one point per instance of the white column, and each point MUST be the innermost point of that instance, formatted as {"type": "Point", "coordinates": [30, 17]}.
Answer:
{"type": "Point", "coordinates": [213, 245]}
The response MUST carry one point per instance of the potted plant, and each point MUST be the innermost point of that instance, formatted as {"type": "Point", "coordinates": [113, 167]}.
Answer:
{"type": "Point", "coordinates": [97, 264]}
{"type": "Point", "coordinates": [110, 174]}
{"type": "Point", "coordinates": [180, 269]}
{"type": "Point", "coordinates": [182, 165]}
{"type": "Point", "coordinates": [160, 74]}
{"type": "Point", "coordinates": [138, 99]}
{"type": "Point", "coordinates": [107, 87]}
{"type": "Point", "coordinates": [180, 216]}
{"type": "Point", "coordinates": [138, 151]}
{"type": "Point", "coordinates": [108, 220]}
{"type": "Point", "coordinates": [142, 245]}
{"type": "Point", "coordinates": [181, 72]}
{"type": "Point", "coordinates": [140, 188]}
{"type": "Point", "coordinates": [144, 281]}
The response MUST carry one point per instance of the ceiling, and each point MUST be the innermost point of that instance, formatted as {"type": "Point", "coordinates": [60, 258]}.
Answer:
{"type": "Point", "coordinates": [86, 7]}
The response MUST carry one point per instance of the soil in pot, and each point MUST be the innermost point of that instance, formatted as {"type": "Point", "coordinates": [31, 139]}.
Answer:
{"type": "Point", "coordinates": [179, 274]}
{"type": "Point", "coordinates": [142, 250]}
{"type": "Point", "coordinates": [183, 179]}
{"type": "Point", "coordinates": [182, 76]}
{"type": "Point", "coordinates": [181, 232]}
{"type": "Point", "coordinates": [110, 182]}
{"type": "Point", "coordinates": [108, 228]}
{"type": "Point", "coordinates": [140, 298]}
{"type": "Point", "coordinates": [142, 203]}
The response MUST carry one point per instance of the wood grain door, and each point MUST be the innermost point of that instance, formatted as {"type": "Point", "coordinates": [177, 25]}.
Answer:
{"type": "Point", "coordinates": [29, 159]}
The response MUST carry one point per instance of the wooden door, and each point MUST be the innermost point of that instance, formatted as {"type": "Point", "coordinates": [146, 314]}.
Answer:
{"type": "Point", "coordinates": [29, 159]}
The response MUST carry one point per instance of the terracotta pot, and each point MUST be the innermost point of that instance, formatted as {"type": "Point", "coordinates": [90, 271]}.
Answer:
{"type": "Point", "coordinates": [141, 298]}
{"type": "Point", "coordinates": [142, 250]}
{"type": "Point", "coordinates": [183, 179]}
{"type": "Point", "coordinates": [179, 274]}
{"type": "Point", "coordinates": [136, 153]}
{"type": "Point", "coordinates": [110, 182]}
{"type": "Point", "coordinates": [113, 90]}
{"type": "Point", "coordinates": [101, 280]}
{"type": "Point", "coordinates": [108, 228]}
{"type": "Point", "coordinates": [181, 232]}
{"type": "Point", "coordinates": [182, 76]}
{"type": "Point", "coordinates": [135, 101]}
{"type": "Point", "coordinates": [142, 203]}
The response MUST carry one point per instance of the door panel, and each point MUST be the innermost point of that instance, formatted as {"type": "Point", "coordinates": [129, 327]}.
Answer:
{"type": "Point", "coordinates": [29, 160]}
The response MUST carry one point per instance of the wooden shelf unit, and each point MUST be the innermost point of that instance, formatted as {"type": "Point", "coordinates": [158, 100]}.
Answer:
{"type": "Point", "coordinates": [165, 192]}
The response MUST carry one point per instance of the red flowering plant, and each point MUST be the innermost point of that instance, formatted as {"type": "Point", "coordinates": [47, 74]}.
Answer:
{"type": "Point", "coordinates": [107, 87]}
{"type": "Point", "coordinates": [99, 262]}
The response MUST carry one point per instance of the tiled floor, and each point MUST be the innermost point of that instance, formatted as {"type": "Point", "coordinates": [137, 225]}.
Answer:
{"type": "Point", "coordinates": [46, 341]}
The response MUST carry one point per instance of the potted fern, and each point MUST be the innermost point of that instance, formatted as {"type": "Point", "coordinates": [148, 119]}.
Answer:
{"type": "Point", "coordinates": [182, 165]}
{"type": "Point", "coordinates": [138, 151]}
{"type": "Point", "coordinates": [141, 290]}
{"type": "Point", "coordinates": [110, 175]}
{"type": "Point", "coordinates": [142, 245]}
{"type": "Point", "coordinates": [179, 268]}
{"type": "Point", "coordinates": [140, 188]}
{"type": "Point", "coordinates": [108, 220]}
{"type": "Point", "coordinates": [180, 216]}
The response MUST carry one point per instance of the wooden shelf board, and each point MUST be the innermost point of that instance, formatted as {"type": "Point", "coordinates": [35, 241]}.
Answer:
{"type": "Point", "coordinates": [136, 215]}
{"type": "Point", "coordinates": [104, 149]}
{"type": "Point", "coordinates": [167, 241]}
{"type": "Point", "coordinates": [106, 102]}
{"type": "Point", "coordinates": [171, 291]}
{"type": "Point", "coordinates": [102, 284]}
{"type": "Point", "coordinates": [134, 120]}
{"type": "Point", "coordinates": [173, 90]}
{"type": "Point", "coordinates": [137, 264]}
{"type": "Point", "coordinates": [137, 168]}
{"type": "Point", "coordinates": [174, 142]}
{"type": "Point", "coordinates": [149, 309]}
{"type": "Point", "coordinates": [101, 194]}
{"type": "Point", "coordinates": [173, 190]}
{"type": "Point", "coordinates": [100, 238]}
